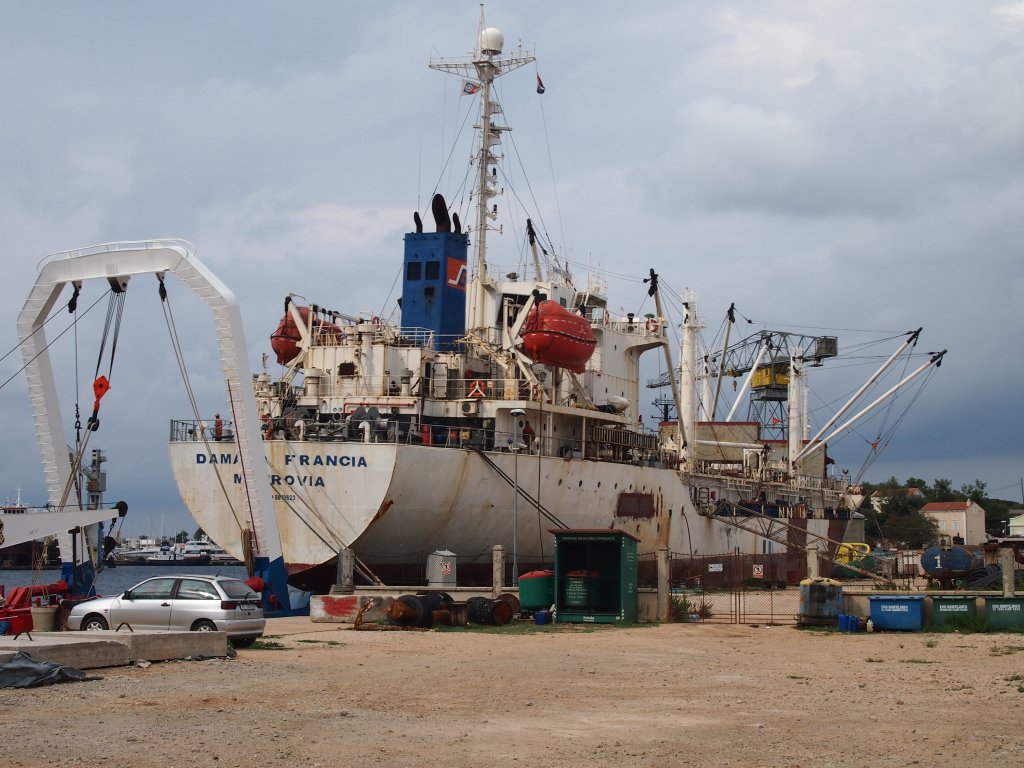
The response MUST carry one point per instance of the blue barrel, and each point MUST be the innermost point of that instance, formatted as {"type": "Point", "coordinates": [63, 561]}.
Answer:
{"type": "Point", "coordinates": [951, 562]}
{"type": "Point", "coordinates": [821, 601]}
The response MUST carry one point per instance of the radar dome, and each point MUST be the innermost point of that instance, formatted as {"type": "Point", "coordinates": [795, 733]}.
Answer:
{"type": "Point", "coordinates": [491, 41]}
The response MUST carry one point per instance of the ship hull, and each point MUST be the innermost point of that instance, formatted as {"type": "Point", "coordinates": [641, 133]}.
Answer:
{"type": "Point", "coordinates": [394, 504]}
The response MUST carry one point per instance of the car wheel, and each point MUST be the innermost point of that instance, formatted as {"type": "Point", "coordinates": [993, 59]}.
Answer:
{"type": "Point", "coordinates": [94, 622]}
{"type": "Point", "coordinates": [242, 642]}
{"type": "Point", "coordinates": [204, 625]}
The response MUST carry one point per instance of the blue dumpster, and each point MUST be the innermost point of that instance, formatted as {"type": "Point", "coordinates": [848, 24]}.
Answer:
{"type": "Point", "coordinates": [904, 613]}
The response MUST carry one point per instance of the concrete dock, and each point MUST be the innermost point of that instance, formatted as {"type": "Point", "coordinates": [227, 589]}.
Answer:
{"type": "Point", "coordinates": [95, 650]}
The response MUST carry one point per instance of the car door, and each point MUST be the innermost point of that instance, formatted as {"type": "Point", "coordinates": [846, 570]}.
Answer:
{"type": "Point", "coordinates": [195, 599]}
{"type": "Point", "coordinates": [147, 606]}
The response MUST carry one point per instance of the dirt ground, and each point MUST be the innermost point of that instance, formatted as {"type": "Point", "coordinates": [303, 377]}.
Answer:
{"type": "Point", "coordinates": [679, 694]}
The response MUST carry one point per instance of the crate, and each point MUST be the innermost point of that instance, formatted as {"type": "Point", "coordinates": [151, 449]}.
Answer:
{"type": "Point", "coordinates": [897, 613]}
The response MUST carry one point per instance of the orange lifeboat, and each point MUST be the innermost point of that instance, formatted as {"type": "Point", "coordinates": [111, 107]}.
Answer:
{"type": "Point", "coordinates": [555, 336]}
{"type": "Point", "coordinates": [285, 340]}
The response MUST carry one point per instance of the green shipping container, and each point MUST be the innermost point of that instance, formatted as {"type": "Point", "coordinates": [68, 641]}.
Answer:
{"type": "Point", "coordinates": [595, 576]}
{"type": "Point", "coordinates": [1004, 612]}
{"type": "Point", "coordinates": [952, 608]}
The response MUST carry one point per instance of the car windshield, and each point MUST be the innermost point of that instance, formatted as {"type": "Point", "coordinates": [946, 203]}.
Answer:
{"type": "Point", "coordinates": [237, 590]}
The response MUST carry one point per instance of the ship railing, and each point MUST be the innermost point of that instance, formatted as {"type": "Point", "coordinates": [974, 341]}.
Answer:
{"type": "Point", "coordinates": [191, 431]}
{"type": "Point", "coordinates": [653, 327]}
{"type": "Point", "coordinates": [439, 434]}
{"type": "Point", "coordinates": [374, 330]}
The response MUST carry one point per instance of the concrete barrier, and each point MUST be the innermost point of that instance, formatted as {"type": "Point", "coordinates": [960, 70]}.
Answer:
{"type": "Point", "coordinates": [95, 650]}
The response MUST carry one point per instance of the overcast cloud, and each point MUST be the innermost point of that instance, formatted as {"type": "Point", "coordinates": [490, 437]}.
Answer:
{"type": "Point", "coordinates": [842, 165]}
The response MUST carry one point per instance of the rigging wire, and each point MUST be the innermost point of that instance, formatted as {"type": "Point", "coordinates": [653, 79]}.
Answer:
{"type": "Point", "coordinates": [190, 392]}
{"type": "Point", "coordinates": [551, 167]}
{"type": "Point", "coordinates": [48, 345]}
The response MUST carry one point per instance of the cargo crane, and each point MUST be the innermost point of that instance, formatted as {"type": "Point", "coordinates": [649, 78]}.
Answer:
{"type": "Point", "coordinates": [775, 365]}
{"type": "Point", "coordinates": [766, 358]}
{"type": "Point", "coordinates": [117, 264]}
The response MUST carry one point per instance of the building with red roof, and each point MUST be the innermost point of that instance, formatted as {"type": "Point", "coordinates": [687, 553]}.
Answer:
{"type": "Point", "coordinates": [958, 519]}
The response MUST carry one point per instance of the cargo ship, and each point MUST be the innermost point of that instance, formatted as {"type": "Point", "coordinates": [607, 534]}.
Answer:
{"type": "Point", "coordinates": [505, 402]}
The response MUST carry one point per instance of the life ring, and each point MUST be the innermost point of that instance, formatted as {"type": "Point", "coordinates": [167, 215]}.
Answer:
{"type": "Point", "coordinates": [651, 325]}
{"type": "Point", "coordinates": [535, 392]}
{"type": "Point", "coordinates": [476, 388]}
{"type": "Point", "coordinates": [375, 322]}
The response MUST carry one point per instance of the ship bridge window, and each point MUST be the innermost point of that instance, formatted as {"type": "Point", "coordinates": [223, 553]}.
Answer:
{"type": "Point", "coordinates": [412, 270]}
{"type": "Point", "coordinates": [433, 271]}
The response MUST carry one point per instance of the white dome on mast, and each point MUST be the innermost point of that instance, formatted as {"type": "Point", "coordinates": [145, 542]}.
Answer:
{"type": "Point", "coordinates": [491, 41]}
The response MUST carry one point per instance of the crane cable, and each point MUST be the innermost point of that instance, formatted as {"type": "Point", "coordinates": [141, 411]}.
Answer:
{"type": "Point", "coordinates": [101, 383]}
{"type": "Point", "coordinates": [180, 358]}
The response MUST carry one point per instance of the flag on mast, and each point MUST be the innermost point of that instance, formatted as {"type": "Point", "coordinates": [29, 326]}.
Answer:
{"type": "Point", "coordinates": [469, 87]}
{"type": "Point", "coordinates": [540, 85]}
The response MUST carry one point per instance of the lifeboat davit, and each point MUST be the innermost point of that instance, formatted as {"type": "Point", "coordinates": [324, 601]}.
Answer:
{"type": "Point", "coordinates": [285, 340]}
{"type": "Point", "coordinates": [555, 336]}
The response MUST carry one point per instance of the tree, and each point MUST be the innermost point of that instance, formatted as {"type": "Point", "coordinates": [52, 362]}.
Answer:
{"type": "Point", "coordinates": [181, 537]}
{"type": "Point", "coordinates": [199, 535]}
{"type": "Point", "coordinates": [942, 490]}
{"type": "Point", "coordinates": [917, 482]}
{"type": "Point", "coordinates": [902, 524]}
{"type": "Point", "coordinates": [975, 491]}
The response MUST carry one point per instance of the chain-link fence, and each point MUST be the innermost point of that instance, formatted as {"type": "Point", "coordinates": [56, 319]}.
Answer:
{"type": "Point", "coordinates": [737, 588]}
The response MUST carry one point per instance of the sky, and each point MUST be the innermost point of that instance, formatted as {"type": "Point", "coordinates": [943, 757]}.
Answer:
{"type": "Point", "coordinates": [842, 166]}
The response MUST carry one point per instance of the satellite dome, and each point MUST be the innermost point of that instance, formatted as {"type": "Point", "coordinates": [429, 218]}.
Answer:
{"type": "Point", "coordinates": [491, 41]}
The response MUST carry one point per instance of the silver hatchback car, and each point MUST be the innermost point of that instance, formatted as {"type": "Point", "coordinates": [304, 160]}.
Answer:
{"type": "Point", "coordinates": [187, 603]}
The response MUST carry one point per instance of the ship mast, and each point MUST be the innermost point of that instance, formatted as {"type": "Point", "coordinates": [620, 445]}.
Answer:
{"type": "Point", "coordinates": [484, 67]}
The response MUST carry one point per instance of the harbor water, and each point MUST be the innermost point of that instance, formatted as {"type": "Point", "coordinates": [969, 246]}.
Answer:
{"type": "Point", "coordinates": [113, 581]}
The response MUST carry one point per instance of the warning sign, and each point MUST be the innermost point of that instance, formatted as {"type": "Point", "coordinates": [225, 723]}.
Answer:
{"type": "Point", "coordinates": [758, 571]}
{"type": "Point", "coordinates": [446, 567]}
{"type": "Point", "coordinates": [714, 567]}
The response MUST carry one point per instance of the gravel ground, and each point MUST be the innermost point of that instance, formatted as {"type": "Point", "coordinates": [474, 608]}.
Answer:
{"type": "Point", "coordinates": [680, 694]}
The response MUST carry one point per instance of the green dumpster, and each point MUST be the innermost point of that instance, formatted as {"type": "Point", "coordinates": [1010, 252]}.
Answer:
{"type": "Point", "coordinates": [952, 609]}
{"type": "Point", "coordinates": [1004, 612]}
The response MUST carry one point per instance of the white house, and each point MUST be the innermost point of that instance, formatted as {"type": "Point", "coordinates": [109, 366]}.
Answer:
{"type": "Point", "coordinates": [958, 519]}
{"type": "Point", "coordinates": [1016, 523]}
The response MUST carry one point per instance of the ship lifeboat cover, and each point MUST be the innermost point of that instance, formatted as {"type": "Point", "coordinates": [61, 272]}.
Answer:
{"type": "Point", "coordinates": [555, 336]}
{"type": "Point", "coordinates": [285, 340]}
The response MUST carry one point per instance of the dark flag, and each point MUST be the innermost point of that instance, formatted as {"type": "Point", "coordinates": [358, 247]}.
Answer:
{"type": "Point", "coordinates": [540, 85]}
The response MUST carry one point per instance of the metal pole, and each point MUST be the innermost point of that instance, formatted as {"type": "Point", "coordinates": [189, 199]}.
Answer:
{"type": "Point", "coordinates": [515, 505]}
